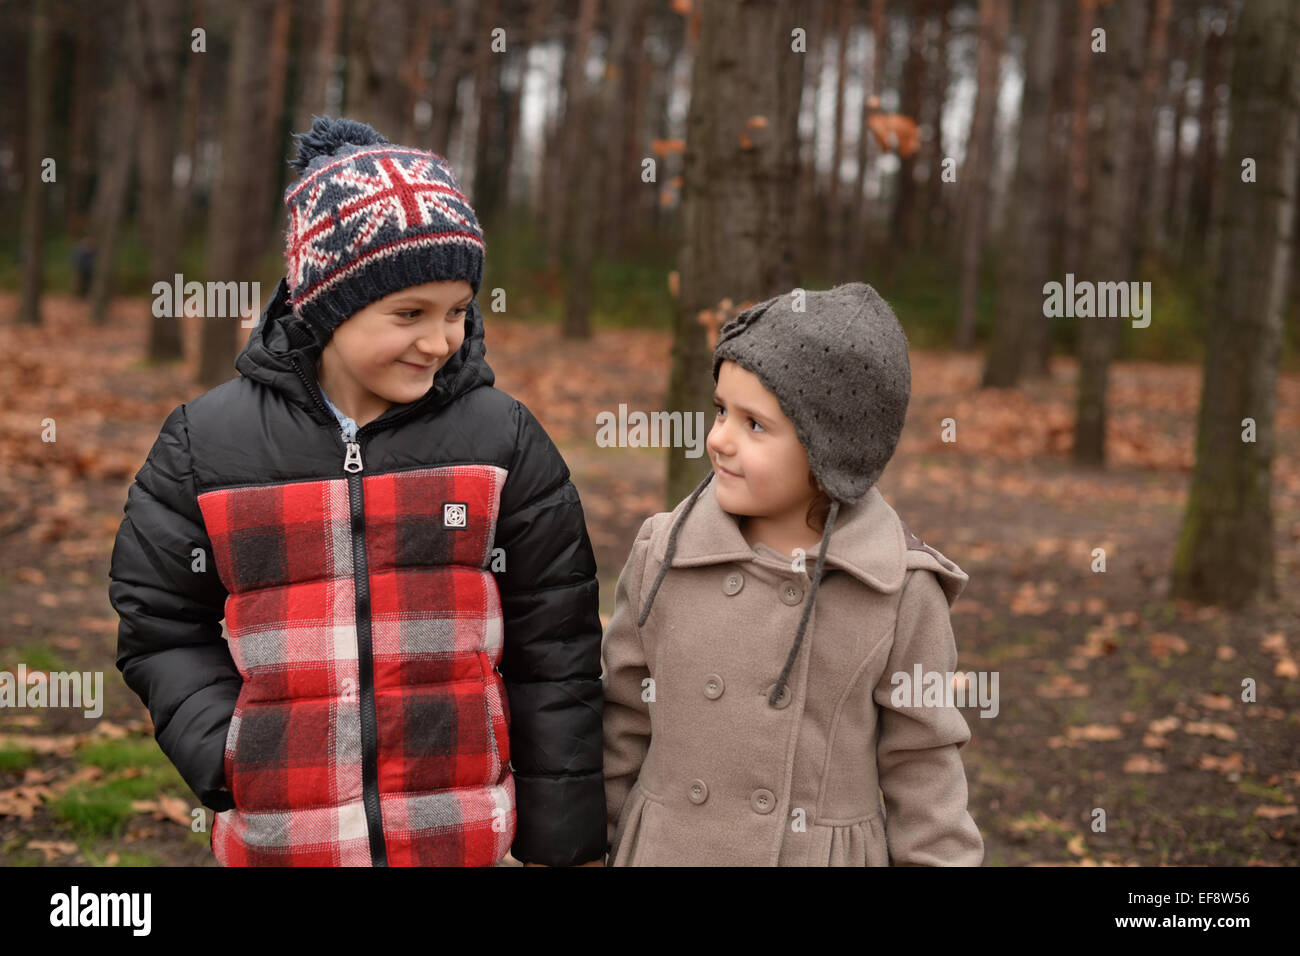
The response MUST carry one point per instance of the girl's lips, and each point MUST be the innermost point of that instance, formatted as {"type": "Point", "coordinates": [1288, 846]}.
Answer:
{"type": "Point", "coordinates": [723, 473]}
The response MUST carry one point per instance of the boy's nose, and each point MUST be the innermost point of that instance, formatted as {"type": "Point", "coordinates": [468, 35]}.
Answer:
{"type": "Point", "coordinates": [433, 345]}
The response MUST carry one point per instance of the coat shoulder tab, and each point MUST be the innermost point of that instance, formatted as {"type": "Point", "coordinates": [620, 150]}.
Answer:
{"type": "Point", "coordinates": [921, 555]}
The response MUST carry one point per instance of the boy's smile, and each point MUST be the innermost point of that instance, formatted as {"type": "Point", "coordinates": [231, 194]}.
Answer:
{"type": "Point", "coordinates": [389, 352]}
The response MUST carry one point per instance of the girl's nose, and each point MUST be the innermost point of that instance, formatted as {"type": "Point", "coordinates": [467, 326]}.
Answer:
{"type": "Point", "coordinates": [718, 441]}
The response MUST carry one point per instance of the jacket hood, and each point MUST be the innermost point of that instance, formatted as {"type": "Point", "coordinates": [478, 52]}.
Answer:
{"type": "Point", "coordinates": [282, 352]}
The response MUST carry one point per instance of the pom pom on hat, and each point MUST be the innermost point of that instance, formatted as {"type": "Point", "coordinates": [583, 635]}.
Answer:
{"type": "Point", "coordinates": [327, 135]}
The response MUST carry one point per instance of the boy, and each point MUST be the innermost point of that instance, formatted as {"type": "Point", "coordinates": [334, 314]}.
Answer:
{"type": "Point", "coordinates": [380, 528]}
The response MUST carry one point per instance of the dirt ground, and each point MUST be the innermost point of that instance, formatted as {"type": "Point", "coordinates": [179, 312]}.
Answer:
{"type": "Point", "coordinates": [1112, 696]}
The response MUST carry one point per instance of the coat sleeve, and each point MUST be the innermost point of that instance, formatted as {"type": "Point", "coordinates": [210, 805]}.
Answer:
{"type": "Point", "coordinates": [921, 774]}
{"type": "Point", "coordinates": [170, 648]}
{"type": "Point", "coordinates": [627, 716]}
{"type": "Point", "coordinates": [550, 661]}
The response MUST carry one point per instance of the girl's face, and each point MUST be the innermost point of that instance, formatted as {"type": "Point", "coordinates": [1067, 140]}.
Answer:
{"type": "Point", "coordinates": [388, 352]}
{"type": "Point", "coordinates": [760, 467]}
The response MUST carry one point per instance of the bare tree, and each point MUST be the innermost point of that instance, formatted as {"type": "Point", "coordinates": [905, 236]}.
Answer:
{"type": "Point", "coordinates": [1108, 256]}
{"type": "Point", "coordinates": [1027, 261]}
{"type": "Point", "coordinates": [579, 219]}
{"type": "Point", "coordinates": [34, 191]}
{"type": "Point", "coordinates": [1230, 498]}
{"type": "Point", "coordinates": [976, 178]}
{"type": "Point", "coordinates": [742, 153]}
{"type": "Point", "coordinates": [155, 68]}
{"type": "Point", "coordinates": [232, 246]}
{"type": "Point", "coordinates": [117, 140]}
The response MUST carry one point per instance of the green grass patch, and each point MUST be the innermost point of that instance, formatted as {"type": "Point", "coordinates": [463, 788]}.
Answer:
{"type": "Point", "coordinates": [37, 657]}
{"type": "Point", "coordinates": [1255, 789]}
{"type": "Point", "coordinates": [102, 808]}
{"type": "Point", "coordinates": [16, 759]}
{"type": "Point", "coordinates": [112, 755]}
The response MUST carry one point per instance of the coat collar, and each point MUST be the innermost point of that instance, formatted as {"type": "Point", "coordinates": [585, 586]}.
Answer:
{"type": "Point", "coordinates": [866, 542]}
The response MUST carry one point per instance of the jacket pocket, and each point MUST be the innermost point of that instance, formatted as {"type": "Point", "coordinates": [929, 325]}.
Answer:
{"type": "Point", "coordinates": [498, 714]}
{"type": "Point", "coordinates": [858, 842]}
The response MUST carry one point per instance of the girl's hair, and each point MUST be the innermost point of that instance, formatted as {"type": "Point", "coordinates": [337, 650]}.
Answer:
{"type": "Point", "coordinates": [820, 507]}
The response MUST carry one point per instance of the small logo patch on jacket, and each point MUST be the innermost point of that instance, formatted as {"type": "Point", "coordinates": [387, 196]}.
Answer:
{"type": "Point", "coordinates": [454, 514]}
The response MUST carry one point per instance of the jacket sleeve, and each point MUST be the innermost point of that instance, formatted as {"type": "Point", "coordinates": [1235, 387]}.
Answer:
{"type": "Point", "coordinates": [170, 647]}
{"type": "Point", "coordinates": [921, 773]}
{"type": "Point", "coordinates": [627, 716]}
{"type": "Point", "coordinates": [550, 661]}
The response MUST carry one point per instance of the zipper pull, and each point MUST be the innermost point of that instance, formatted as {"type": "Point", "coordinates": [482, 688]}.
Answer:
{"type": "Point", "coordinates": [352, 460]}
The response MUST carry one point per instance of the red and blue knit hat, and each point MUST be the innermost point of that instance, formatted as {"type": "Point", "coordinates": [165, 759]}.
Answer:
{"type": "Point", "coordinates": [369, 218]}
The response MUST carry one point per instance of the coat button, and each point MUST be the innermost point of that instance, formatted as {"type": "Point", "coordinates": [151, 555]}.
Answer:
{"type": "Point", "coordinates": [733, 583]}
{"type": "Point", "coordinates": [713, 687]}
{"type": "Point", "coordinates": [699, 791]}
{"type": "Point", "coordinates": [762, 800]}
{"type": "Point", "coordinates": [790, 594]}
{"type": "Point", "coordinates": [782, 699]}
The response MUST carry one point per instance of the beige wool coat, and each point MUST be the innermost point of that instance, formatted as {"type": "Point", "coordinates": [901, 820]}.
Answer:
{"type": "Point", "coordinates": [701, 770]}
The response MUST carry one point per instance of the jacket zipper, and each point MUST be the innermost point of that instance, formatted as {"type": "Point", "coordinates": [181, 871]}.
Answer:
{"type": "Point", "coordinates": [353, 465]}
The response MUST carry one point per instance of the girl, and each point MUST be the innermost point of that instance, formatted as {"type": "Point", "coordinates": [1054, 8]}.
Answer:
{"type": "Point", "coordinates": [753, 713]}
{"type": "Point", "coordinates": [411, 673]}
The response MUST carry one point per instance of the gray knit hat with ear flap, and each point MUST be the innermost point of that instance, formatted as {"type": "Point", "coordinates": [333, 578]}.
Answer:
{"type": "Point", "coordinates": [840, 372]}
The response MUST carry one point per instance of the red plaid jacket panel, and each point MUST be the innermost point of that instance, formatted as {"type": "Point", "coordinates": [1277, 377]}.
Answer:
{"type": "Point", "coordinates": [293, 758]}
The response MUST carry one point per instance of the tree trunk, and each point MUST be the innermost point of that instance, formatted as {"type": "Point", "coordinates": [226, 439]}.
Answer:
{"type": "Point", "coordinates": [624, 146]}
{"type": "Point", "coordinates": [34, 189]}
{"type": "Point", "coordinates": [116, 153]}
{"type": "Point", "coordinates": [935, 203]}
{"type": "Point", "coordinates": [905, 226]}
{"type": "Point", "coordinates": [1170, 204]}
{"type": "Point", "coordinates": [1026, 264]}
{"type": "Point", "coordinates": [1108, 257]}
{"type": "Point", "coordinates": [575, 230]}
{"type": "Point", "coordinates": [157, 29]}
{"type": "Point", "coordinates": [737, 207]}
{"type": "Point", "coordinates": [271, 164]}
{"type": "Point", "coordinates": [1225, 548]}
{"type": "Point", "coordinates": [489, 141]}
{"type": "Point", "coordinates": [1144, 139]}
{"type": "Point", "coordinates": [377, 34]}
{"type": "Point", "coordinates": [1203, 203]}
{"type": "Point", "coordinates": [86, 77]}
{"type": "Point", "coordinates": [976, 173]}
{"type": "Point", "coordinates": [835, 220]}
{"type": "Point", "coordinates": [453, 61]}
{"type": "Point", "coordinates": [320, 65]}
{"type": "Point", "coordinates": [538, 15]}
{"type": "Point", "coordinates": [860, 214]}
{"type": "Point", "coordinates": [231, 249]}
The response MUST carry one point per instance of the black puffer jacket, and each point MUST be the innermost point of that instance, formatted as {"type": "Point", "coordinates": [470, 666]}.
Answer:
{"type": "Point", "coordinates": [352, 713]}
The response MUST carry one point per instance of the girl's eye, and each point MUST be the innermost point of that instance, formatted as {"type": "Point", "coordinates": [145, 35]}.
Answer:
{"type": "Point", "coordinates": [722, 411]}
{"type": "Point", "coordinates": [409, 313]}
{"type": "Point", "coordinates": [460, 310]}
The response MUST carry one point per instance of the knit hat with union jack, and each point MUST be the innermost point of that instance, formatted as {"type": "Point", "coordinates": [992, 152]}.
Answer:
{"type": "Point", "coordinates": [369, 218]}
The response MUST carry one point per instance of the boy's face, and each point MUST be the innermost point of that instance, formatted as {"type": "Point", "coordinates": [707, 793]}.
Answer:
{"type": "Point", "coordinates": [388, 352]}
{"type": "Point", "coordinates": [760, 468]}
